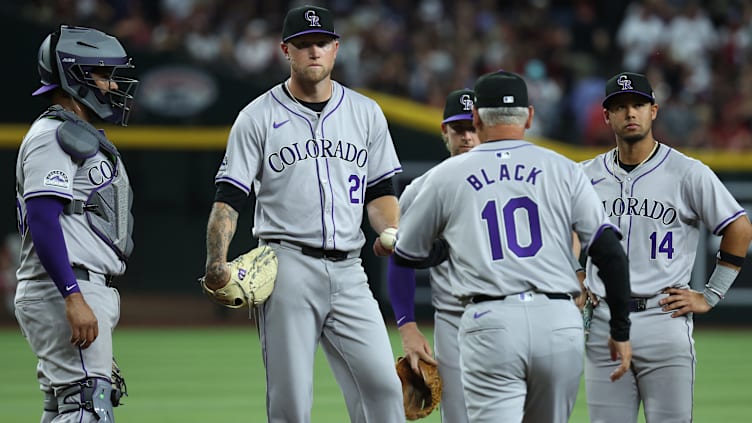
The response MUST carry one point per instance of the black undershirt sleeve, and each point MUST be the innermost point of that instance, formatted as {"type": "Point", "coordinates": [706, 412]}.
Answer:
{"type": "Point", "coordinates": [232, 195]}
{"type": "Point", "coordinates": [385, 187]}
{"type": "Point", "coordinates": [613, 269]}
{"type": "Point", "coordinates": [439, 253]}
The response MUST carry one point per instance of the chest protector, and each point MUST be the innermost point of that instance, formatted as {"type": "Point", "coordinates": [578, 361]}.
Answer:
{"type": "Point", "coordinates": [108, 208]}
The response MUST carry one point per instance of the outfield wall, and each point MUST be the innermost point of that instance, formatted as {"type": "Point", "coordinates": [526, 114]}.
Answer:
{"type": "Point", "coordinates": [172, 170]}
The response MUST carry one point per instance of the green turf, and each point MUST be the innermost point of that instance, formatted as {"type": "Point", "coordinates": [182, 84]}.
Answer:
{"type": "Point", "coordinates": [216, 375]}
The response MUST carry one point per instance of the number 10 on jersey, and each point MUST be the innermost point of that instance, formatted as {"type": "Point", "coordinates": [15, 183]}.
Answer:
{"type": "Point", "coordinates": [512, 228]}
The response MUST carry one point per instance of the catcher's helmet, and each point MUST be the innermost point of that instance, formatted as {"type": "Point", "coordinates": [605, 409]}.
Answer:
{"type": "Point", "coordinates": [66, 59]}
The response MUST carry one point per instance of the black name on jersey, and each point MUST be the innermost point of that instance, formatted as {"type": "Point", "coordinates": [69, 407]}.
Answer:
{"type": "Point", "coordinates": [516, 172]}
{"type": "Point", "coordinates": [313, 149]}
{"type": "Point", "coordinates": [631, 206]}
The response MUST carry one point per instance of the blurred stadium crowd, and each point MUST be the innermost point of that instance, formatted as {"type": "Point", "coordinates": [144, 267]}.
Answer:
{"type": "Point", "coordinates": [698, 55]}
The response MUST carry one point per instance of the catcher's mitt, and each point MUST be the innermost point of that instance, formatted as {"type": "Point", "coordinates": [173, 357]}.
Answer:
{"type": "Point", "coordinates": [421, 393]}
{"type": "Point", "coordinates": [119, 388]}
{"type": "Point", "coordinates": [251, 282]}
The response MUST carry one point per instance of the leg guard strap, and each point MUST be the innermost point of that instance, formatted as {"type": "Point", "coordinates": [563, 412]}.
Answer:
{"type": "Point", "coordinates": [50, 402]}
{"type": "Point", "coordinates": [92, 395]}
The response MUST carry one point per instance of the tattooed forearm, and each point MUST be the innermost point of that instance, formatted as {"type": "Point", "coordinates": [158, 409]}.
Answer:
{"type": "Point", "coordinates": [223, 221]}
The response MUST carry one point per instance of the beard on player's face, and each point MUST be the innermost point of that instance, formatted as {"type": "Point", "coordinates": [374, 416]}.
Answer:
{"type": "Point", "coordinates": [633, 138]}
{"type": "Point", "coordinates": [313, 75]}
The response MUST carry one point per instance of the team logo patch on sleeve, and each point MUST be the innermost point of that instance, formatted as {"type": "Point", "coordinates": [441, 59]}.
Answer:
{"type": "Point", "coordinates": [57, 178]}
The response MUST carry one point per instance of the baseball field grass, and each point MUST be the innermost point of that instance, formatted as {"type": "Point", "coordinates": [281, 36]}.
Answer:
{"type": "Point", "coordinates": [215, 375]}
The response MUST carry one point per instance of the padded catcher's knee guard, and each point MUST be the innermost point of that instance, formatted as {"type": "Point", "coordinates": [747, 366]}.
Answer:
{"type": "Point", "coordinates": [93, 395]}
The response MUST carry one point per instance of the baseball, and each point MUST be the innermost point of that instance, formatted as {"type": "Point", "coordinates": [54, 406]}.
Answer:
{"type": "Point", "coordinates": [388, 238]}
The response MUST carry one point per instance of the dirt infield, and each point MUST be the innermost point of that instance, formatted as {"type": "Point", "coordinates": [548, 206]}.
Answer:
{"type": "Point", "coordinates": [177, 310]}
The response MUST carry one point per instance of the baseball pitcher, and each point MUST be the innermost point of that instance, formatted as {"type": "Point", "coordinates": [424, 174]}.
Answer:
{"type": "Point", "coordinates": [316, 154]}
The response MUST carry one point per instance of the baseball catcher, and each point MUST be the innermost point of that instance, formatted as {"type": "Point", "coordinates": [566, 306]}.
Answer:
{"type": "Point", "coordinates": [251, 281]}
{"type": "Point", "coordinates": [421, 393]}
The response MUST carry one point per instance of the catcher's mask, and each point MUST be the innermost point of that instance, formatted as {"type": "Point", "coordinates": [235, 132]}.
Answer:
{"type": "Point", "coordinates": [67, 58]}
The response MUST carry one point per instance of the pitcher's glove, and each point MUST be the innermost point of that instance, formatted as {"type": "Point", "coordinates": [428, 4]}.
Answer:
{"type": "Point", "coordinates": [251, 282]}
{"type": "Point", "coordinates": [421, 393]}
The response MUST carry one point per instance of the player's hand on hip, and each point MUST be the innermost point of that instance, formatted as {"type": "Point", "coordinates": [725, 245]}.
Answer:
{"type": "Point", "coordinates": [623, 351]}
{"type": "Point", "coordinates": [82, 321]}
{"type": "Point", "coordinates": [415, 346]}
{"type": "Point", "coordinates": [581, 299]}
{"type": "Point", "coordinates": [217, 275]}
{"type": "Point", "coordinates": [683, 301]}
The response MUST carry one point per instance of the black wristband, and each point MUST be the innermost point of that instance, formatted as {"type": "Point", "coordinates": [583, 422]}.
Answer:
{"type": "Point", "coordinates": [730, 258]}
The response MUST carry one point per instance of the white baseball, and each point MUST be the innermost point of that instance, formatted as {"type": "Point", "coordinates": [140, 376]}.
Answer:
{"type": "Point", "coordinates": [388, 238]}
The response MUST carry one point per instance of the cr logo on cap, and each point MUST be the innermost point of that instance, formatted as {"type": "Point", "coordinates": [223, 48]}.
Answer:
{"type": "Point", "coordinates": [466, 102]}
{"type": "Point", "coordinates": [311, 17]}
{"type": "Point", "coordinates": [624, 82]}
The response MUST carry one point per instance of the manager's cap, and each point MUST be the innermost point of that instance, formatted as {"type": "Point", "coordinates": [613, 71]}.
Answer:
{"type": "Point", "coordinates": [501, 89]}
{"type": "Point", "coordinates": [307, 20]}
{"type": "Point", "coordinates": [459, 106]}
{"type": "Point", "coordinates": [628, 82]}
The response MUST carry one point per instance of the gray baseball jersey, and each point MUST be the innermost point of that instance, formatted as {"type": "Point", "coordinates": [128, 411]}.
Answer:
{"type": "Point", "coordinates": [296, 159]}
{"type": "Point", "coordinates": [310, 172]}
{"type": "Point", "coordinates": [659, 207]}
{"type": "Point", "coordinates": [507, 210]}
{"type": "Point", "coordinates": [510, 199]}
{"type": "Point", "coordinates": [43, 168]}
{"type": "Point", "coordinates": [440, 275]}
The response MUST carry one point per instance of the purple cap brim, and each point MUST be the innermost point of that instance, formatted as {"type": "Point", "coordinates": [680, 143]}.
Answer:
{"type": "Point", "coordinates": [468, 116]}
{"type": "Point", "coordinates": [44, 88]}
{"type": "Point", "coordinates": [605, 100]}
{"type": "Point", "coordinates": [312, 31]}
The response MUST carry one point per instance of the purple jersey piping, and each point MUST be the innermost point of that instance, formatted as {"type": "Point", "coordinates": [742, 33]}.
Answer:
{"type": "Point", "coordinates": [694, 364]}
{"type": "Point", "coordinates": [47, 192]}
{"type": "Point", "coordinates": [328, 176]}
{"type": "Point", "coordinates": [409, 256]}
{"type": "Point", "coordinates": [632, 188]}
{"type": "Point", "coordinates": [318, 170]}
{"type": "Point", "coordinates": [334, 222]}
{"type": "Point", "coordinates": [605, 166]}
{"type": "Point", "coordinates": [261, 325]}
{"type": "Point", "coordinates": [728, 220]}
{"type": "Point", "coordinates": [598, 233]}
{"type": "Point", "coordinates": [234, 182]}
{"type": "Point", "coordinates": [384, 176]}
{"type": "Point", "coordinates": [83, 365]}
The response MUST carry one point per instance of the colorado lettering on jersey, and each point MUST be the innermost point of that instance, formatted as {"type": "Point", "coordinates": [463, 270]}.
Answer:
{"type": "Point", "coordinates": [631, 206]}
{"type": "Point", "coordinates": [506, 172]}
{"type": "Point", "coordinates": [313, 149]}
{"type": "Point", "coordinates": [101, 172]}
